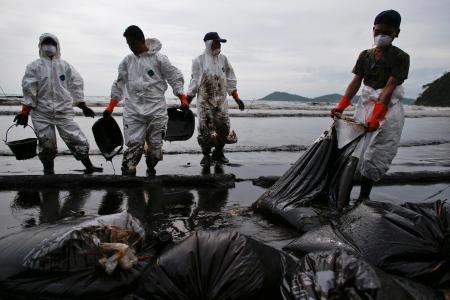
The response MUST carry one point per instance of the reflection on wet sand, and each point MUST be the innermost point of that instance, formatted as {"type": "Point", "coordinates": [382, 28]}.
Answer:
{"type": "Point", "coordinates": [111, 203]}
{"type": "Point", "coordinates": [53, 205]}
{"type": "Point", "coordinates": [176, 210]}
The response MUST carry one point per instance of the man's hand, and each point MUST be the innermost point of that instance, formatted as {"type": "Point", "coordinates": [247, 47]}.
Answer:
{"type": "Point", "coordinates": [189, 98]}
{"type": "Point", "coordinates": [110, 108]}
{"type": "Point", "coordinates": [184, 101]}
{"type": "Point", "coordinates": [87, 112]}
{"type": "Point", "coordinates": [335, 112]}
{"type": "Point", "coordinates": [240, 104]}
{"type": "Point", "coordinates": [238, 100]}
{"type": "Point", "coordinates": [106, 114]}
{"type": "Point", "coordinates": [21, 119]}
{"type": "Point", "coordinates": [372, 126]}
{"type": "Point", "coordinates": [378, 114]}
{"type": "Point", "coordinates": [343, 104]}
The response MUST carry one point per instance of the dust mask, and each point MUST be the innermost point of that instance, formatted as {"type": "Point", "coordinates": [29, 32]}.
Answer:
{"type": "Point", "coordinates": [382, 40]}
{"type": "Point", "coordinates": [214, 52]}
{"type": "Point", "coordinates": [49, 50]}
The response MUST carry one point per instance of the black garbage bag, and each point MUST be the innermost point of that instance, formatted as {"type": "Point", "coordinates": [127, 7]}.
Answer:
{"type": "Point", "coordinates": [409, 240]}
{"type": "Point", "coordinates": [68, 259]}
{"type": "Point", "coordinates": [215, 265]}
{"type": "Point", "coordinates": [108, 137]}
{"type": "Point", "coordinates": [339, 274]}
{"type": "Point", "coordinates": [181, 124]}
{"type": "Point", "coordinates": [321, 177]}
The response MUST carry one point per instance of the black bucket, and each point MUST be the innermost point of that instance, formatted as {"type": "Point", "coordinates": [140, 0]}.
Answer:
{"type": "Point", "coordinates": [108, 137]}
{"type": "Point", "coordinates": [22, 149]}
{"type": "Point", "coordinates": [181, 124]}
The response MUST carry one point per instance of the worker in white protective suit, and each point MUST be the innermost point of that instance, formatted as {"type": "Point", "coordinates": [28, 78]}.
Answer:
{"type": "Point", "coordinates": [382, 70]}
{"type": "Point", "coordinates": [211, 80]}
{"type": "Point", "coordinates": [51, 87]}
{"type": "Point", "coordinates": [142, 81]}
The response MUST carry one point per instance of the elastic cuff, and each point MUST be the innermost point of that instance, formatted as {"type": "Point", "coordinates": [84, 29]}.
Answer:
{"type": "Point", "coordinates": [235, 94]}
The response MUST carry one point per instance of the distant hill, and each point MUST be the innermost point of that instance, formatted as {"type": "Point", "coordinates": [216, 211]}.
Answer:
{"type": "Point", "coordinates": [408, 100]}
{"type": "Point", "coordinates": [436, 93]}
{"type": "Point", "coordinates": [332, 98]}
{"type": "Point", "coordinates": [328, 98]}
{"type": "Point", "coordinates": [282, 96]}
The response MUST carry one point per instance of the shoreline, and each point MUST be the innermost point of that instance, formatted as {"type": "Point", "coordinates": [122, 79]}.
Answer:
{"type": "Point", "coordinates": [61, 181]}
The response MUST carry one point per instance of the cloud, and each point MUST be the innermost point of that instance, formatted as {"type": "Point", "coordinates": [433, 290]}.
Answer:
{"type": "Point", "coordinates": [303, 47]}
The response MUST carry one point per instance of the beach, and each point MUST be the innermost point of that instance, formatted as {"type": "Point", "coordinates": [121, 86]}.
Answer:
{"type": "Point", "coordinates": [268, 145]}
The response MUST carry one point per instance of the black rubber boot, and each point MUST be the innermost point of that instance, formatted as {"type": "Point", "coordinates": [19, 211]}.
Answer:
{"type": "Point", "coordinates": [366, 188]}
{"type": "Point", "coordinates": [219, 157]}
{"type": "Point", "coordinates": [151, 164]}
{"type": "Point", "coordinates": [206, 160]}
{"type": "Point", "coordinates": [128, 172]}
{"type": "Point", "coordinates": [49, 167]}
{"type": "Point", "coordinates": [89, 166]}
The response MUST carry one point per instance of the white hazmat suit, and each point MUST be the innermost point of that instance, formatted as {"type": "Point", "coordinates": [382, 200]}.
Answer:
{"type": "Point", "coordinates": [211, 80]}
{"type": "Point", "coordinates": [142, 82]}
{"type": "Point", "coordinates": [377, 149]}
{"type": "Point", "coordinates": [52, 87]}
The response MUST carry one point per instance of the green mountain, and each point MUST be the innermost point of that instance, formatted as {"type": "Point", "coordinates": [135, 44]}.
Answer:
{"type": "Point", "coordinates": [331, 98]}
{"type": "Point", "coordinates": [328, 98]}
{"type": "Point", "coordinates": [436, 93]}
{"type": "Point", "coordinates": [282, 96]}
{"type": "Point", "coordinates": [408, 101]}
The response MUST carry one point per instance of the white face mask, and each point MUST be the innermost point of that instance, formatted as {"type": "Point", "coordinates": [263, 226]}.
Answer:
{"type": "Point", "coordinates": [49, 50]}
{"type": "Point", "coordinates": [382, 40]}
{"type": "Point", "coordinates": [208, 45]}
{"type": "Point", "coordinates": [215, 52]}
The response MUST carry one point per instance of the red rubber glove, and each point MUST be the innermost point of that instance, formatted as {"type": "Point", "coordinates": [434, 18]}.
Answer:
{"type": "Point", "coordinates": [343, 104]}
{"type": "Point", "coordinates": [379, 112]}
{"type": "Point", "coordinates": [26, 109]}
{"type": "Point", "coordinates": [184, 101]}
{"type": "Point", "coordinates": [22, 117]}
{"type": "Point", "coordinates": [235, 95]}
{"type": "Point", "coordinates": [108, 111]}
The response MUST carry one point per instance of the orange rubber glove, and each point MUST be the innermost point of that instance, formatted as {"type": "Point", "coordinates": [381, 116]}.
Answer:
{"type": "Point", "coordinates": [108, 111]}
{"type": "Point", "coordinates": [379, 112]}
{"type": "Point", "coordinates": [343, 104]}
{"type": "Point", "coordinates": [22, 117]}
{"type": "Point", "coordinates": [112, 103]}
{"type": "Point", "coordinates": [184, 101]}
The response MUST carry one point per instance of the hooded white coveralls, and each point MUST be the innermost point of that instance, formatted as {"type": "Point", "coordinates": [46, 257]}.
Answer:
{"type": "Point", "coordinates": [52, 87]}
{"type": "Point", "coordinates": [377, 149]}
{"type": "Point", "coordinates": [212, 78]}
{"type": "Point", "coordinates": [142, 81]}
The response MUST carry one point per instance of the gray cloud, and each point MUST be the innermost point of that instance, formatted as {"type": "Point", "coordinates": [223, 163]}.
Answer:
{"type": "Point", "coordinates": [303, 47]}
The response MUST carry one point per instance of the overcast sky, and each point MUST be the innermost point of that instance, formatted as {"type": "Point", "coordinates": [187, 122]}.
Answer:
{"type": "Point", "coordinates": [302, 47]}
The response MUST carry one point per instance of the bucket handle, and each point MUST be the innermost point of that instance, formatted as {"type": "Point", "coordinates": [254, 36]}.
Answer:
{"type": "Point", "coordinates": [6, 137]}
{"type": "Point", "coordinates": [111, 155]}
